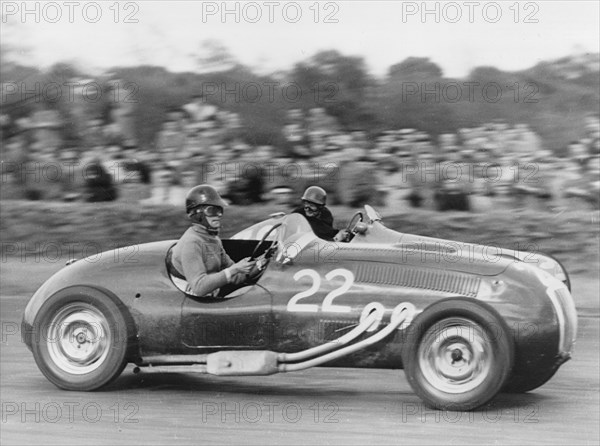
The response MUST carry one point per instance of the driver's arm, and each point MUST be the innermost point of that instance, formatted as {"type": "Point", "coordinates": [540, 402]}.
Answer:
{"type": "Point", "coordinates": [195, 265]}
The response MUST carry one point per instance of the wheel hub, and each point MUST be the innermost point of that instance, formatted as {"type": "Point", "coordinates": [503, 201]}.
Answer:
{"type": "Point", "coordinates": [81, 338]}
{"type": "Point", "coordinates": [78, 338]}
{"type": "Point", "coordinates": [455, 357]}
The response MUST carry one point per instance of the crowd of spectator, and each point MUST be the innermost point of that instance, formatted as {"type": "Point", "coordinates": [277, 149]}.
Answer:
{"type": "Point", "coordinates": [493, 160]}
{"type": "Point", "coordinates": [201, 143]}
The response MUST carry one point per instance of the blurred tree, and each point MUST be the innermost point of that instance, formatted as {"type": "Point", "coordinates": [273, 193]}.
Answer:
{"type": "Point", "coordinates": [335, 82]}
{"type": "Point", "coordinates": [59, 95]}
{"type": "Point", "coordinates": [14, 52]}
{"type": "Point", "coordinates": [412, 68]}
{"type": "Point", "coordinates": [411, 97]}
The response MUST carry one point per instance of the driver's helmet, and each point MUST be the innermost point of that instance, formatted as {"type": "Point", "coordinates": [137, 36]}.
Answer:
{"type": "Point", "coordinates": [315, 194]}
{"type": "Point", "coordinates": [203, 195]}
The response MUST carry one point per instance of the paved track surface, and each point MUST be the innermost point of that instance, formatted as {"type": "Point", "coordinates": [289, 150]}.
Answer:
{"type": "Point", "coordinates": [318, 406]}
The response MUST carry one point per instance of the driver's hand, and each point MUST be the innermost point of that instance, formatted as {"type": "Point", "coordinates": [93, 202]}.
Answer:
{"type": "Point", "coordinates": [341, 236]}
{"type": "Point", "coordinates": [261, 262]}
{"type": "Point", "coordinates": [242, 267]}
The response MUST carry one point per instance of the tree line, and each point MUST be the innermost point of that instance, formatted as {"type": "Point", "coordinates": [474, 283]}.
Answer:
{"type": "Point", "coordinates": [552, 98]}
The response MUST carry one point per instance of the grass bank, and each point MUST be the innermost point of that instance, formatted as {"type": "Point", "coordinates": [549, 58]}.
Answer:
{"type": "Point", "coordinates": [52, 228]}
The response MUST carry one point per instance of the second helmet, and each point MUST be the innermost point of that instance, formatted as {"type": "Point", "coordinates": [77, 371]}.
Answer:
{"type": "Point", "coordinates": [315, 194]}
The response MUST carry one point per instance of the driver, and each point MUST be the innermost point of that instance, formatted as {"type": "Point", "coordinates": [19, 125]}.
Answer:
{"type": "Point", "coordinates": [199, 253]}
{"type": "Point", "coordinates": [321, 221]}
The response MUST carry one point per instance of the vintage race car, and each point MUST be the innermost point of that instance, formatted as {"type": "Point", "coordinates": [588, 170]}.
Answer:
{"type": "Point", "coordinates": [464, 321]}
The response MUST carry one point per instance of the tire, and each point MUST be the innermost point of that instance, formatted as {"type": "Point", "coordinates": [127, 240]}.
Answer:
{"type": "Point", "coordinates": [458, 354]}
{"type": "Point", "coordinates": [522, 384]}
{"type": "Point", "coordinates": [81, 340]}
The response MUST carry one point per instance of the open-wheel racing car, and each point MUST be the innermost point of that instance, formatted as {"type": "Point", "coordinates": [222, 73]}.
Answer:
{"type": "Point", "coordinates": [464, 321]}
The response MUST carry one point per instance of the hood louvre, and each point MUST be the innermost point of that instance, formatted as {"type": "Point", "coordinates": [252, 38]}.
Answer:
{"type": "Point", "coordinates": [445, 281]}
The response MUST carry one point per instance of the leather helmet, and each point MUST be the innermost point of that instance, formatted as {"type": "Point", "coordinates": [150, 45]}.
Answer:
{"type": "Point", "coordinates": [315, 194]}
{"type": "Point", "coordinates": [203, 195]}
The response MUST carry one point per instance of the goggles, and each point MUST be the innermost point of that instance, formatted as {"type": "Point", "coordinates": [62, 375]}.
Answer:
{"type": "Point", "coordinates": [210, 211]}
{"type": "Point", "coordinates": [213, 211]}
{"type": "Point", "coordinates": [309, 205]}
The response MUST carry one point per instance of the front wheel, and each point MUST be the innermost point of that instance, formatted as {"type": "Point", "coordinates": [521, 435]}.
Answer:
{"type": "Point", "coordinates": [531, 381]}
{"type": "Point", "coordinates": [80, 341]}
{"type": "Point", "coordinates": [458, 355]}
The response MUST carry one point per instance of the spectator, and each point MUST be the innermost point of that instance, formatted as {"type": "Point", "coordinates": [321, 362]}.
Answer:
{"type": "Point", "coordinates": [99, 184]}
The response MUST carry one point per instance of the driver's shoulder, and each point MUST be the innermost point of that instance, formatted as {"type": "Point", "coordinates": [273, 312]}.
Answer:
{"type": "Point", "coordinates": [326, 215]}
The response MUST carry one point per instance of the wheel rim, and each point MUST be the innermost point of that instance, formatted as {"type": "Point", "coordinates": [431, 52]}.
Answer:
{"type": "Point", "coordinates": [78, 338]}
{"type": "Point", "coordinates": [455, 356]}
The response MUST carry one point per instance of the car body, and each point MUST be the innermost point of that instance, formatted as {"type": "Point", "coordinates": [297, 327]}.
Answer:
{"type": "Point", "coordinates": [464, 321]}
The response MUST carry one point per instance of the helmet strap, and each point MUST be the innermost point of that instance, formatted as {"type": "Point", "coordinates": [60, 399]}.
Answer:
{"type": "Point", "coordinates": [209, 228]}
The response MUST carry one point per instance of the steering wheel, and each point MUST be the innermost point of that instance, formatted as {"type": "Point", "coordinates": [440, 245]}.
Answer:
{"type": "Point", "coordinates": [261, 264]}
{"type": "Point", "coordinates": [262, 240]}
{"type": "Point", "coordinates": [352, 224]}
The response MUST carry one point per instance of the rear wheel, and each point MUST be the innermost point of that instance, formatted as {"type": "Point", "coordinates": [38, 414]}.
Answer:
{"type": "Point", "coordinates": [80, 341]}
{"type": "Point", "coordinates": [458, 355]}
